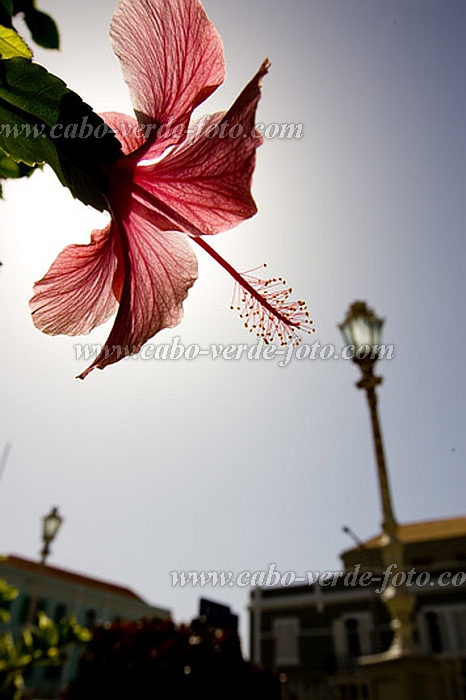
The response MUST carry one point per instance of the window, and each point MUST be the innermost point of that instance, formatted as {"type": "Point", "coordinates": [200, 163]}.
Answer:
{"type": "Point", "coordinates": [42, 605]}
{"type": "Point", "coordinates": [60, 612]}
{"type": "Point", "coordinates": [443, 629]}
{"type": "Point", "coordinates": [458, 619]}
{"type": "Point", "coordinates": [352, 638]}
{"type": "Point", "coordinates": [286, 632]}
{"type": "Point", "coordinates": [90, 618]}
{"type": "Point", "coordinates": [353, 643]}
{"type": "Point", "coordinates": [433, 631]}
{"type": "Point", "coordinates": [25, 602]}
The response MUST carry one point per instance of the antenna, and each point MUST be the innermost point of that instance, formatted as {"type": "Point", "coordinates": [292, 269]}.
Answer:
{"type": "Point", "coordinates": [348, 531]}
{"type": "Point", "coordinates": [4, 457]}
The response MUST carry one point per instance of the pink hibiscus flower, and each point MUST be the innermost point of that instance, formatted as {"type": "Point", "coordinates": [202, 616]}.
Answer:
{"type": "Point", "coordinates": [171, 180]}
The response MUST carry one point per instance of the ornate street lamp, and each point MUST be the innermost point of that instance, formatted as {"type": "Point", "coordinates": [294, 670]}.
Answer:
{"type": "Point", "coordinates": [51, 524]}
{"type": "Point", "coordinates": [362, 331]}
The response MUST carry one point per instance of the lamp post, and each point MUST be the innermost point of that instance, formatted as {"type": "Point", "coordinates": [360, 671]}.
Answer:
{"type": "Point", "coordinates": [362, 331]}
{"type": "Point", "coordinates": [374, 597]}
{"type": "Point", "coordinates": [51, 524]}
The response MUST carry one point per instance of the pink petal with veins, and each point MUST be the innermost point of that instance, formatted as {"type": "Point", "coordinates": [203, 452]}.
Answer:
{"type": "Point", "coordinates": [171, 57]}
{"type": "Point", "coordinates": [127, 130]}
{"type": "Point", "coordinates": [76, 293]}
{"type": "Point", "coordinates": [207, 179]}
{"type": "Point", "coordinates": [160, 267]}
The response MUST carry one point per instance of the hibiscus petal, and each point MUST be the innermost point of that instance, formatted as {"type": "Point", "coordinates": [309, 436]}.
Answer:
{"type": "Point", "coordinates": [160, 267]}
{"type": "Point", "coordinates": [76, 293]}
{"type": "Point", "coordinates": [207, 179]}
{"type": "Point", "coordinates": [126, 129]}
{"type": "Point", "coordinates": [171, 56]}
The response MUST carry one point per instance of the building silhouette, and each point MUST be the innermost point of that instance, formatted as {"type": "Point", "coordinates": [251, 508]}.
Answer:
{"type": "Point", "coordinates": [314, 635]}
{"type": "Point", "coordinates": [61, 593]}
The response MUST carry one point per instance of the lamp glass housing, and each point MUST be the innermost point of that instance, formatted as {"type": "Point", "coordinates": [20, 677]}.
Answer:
{"type": "Point", "coordinates": [51, 525]}
{"type": "Point", "coordinates": [361, 327]}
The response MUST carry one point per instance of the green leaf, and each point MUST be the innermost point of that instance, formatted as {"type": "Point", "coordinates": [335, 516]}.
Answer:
{"type": "Point", "coordinates": [24, 142]}
{"type": "Point", "coordinates": [29, 87]}
{"type": "Point", "coordinates": [43, 29]}
{"type": "Point", "coordinates": [12, 45]}
{"type": "Point", "coordinates": [7, 592]}
{"type": "Point", "coordinates": [9, 168]}
{"type": "Point", "coordinates": [47, 631]}
{"type": "Point", "coordinates": [6, 7]}
{"type": "Point", "coordinates": [42, 121]}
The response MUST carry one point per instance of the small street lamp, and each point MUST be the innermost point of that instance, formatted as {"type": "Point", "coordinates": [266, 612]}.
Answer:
{"type": "Point", "coordinates": [362, 330]}
{"type": "Point", "coordinates": [51, 524]}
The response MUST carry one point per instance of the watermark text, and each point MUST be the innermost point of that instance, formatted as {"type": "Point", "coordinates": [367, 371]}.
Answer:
{"type": "Point", "coordinates": [353, 578]}
{"type": "Point", "coordinates": [175, 350]}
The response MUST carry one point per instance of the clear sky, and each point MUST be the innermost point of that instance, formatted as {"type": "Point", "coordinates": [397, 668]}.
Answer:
{"type": "Point", "coordinates": [161, 466]}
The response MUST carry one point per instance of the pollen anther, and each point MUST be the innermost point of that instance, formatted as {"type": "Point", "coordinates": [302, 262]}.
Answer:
{"type": "Point", "coordinates": [266, 309]}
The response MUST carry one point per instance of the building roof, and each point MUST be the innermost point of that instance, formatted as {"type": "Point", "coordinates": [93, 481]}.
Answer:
{"type": "Point", "coordinates": [425, 531]}
{"type": "Point", "coordinates": [19, 563]}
